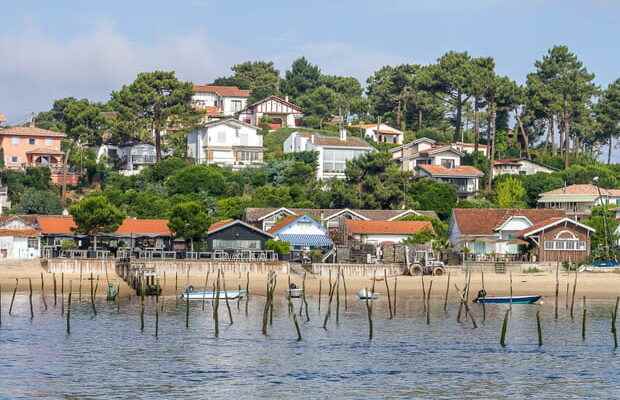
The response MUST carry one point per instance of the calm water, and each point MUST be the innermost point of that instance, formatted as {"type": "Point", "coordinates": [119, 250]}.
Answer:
{"type": "Point", "coordinates": [107, 357]}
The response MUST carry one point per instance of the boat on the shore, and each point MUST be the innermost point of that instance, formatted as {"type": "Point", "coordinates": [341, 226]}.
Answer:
{"type": "Point", "coordinates": [191, 294]}
{"type": "Point", "coordinates": [364, 294]}
{"type": "Point", "coordinates": [601, 266]}
{"type": "Point", "coordinates": [294, 293]}
{"type": "Point", "coordinates": [507, 299]}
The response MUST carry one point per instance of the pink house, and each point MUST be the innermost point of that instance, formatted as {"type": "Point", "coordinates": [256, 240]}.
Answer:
{"type": "Point", "coordinates": [28, 146]}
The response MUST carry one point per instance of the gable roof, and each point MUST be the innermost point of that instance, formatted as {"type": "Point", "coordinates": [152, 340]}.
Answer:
{"type": "Point", "coordinates": [551, 222]}
{"type": "Point", "coordinates": [382, 128]}
{"type": "Point", "coordinates": [388, 227]}
{"type": "Point", "coordinates": [277, 99]}
{"type": "Point", "coordinates": [283, 222]}
{"type": "Point", "coordinates": [135, 226]}
{"type": "Point", "coordinates": [28, 232]}
{"type": "Point", "coordinates": [46, 150]}
{"type": "Point", "coordinates": [224, 224]}
{"type": "Point", "coordinates": [334, 141]}
{"type": "Point", "coordinates": [461, 171]}
{"type": "Point", "coordinates": [228, 121]}
{"type": "Point", "coordinates": [30, 131]}
{"type": "Point", "coordinates": [581, 190]}
{"type": "Point", "coordinates": [56, 224]}
{"type": "Point", "coordinates": [485, 221]}
{"type": "Point", "coordinates": [258, 214]}
{"type": "Point", "coordinates": [224, 91]}
{"type": "Point", "coordinates": [518, 162]}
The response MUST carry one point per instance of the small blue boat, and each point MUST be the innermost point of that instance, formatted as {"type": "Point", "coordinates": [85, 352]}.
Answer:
{"type": "Point", "coordinates": [508, 300]}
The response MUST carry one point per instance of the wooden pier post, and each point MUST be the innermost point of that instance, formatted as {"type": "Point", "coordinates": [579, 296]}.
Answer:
{"type": "Point", "coordinates": [389, 298]}
{"type": "Point", "coordinates": [62, 293]}
{"type": "Point", "coordinates": [445, 301]}
{"type": "Point", "coordinates": [297, 327]}
{"type": "Point", "coordinates": [156, 313]}
{"type": "Point", "coordinates": [204, 290]}
{"type": "Point", "coordinates": [329, 303]}
{"type": "Point", "coordinates": [572, 303]}
{"type": "Point", "coordinates": [320, 288]}
{"type": "Point", "coordinates": [344, 286]}
{"type": "Point", "coordinates": [43, 292]}
{"type": "Point", "coordinates": [247, 292]}
{"type": "Point", "coordinates": [502, 340]}
{"type": "Point", "coordinates": [369, 313]}
{"type": "Point", "coordinates": [394, 305]}
{"type": "Point", "coordinates": [583, 320]}
{"type": "Point", "coordinates": [338, 298]}
{"type": "Point", "coordinates": [428, 303]}
{"type": "Point", "coordinates": [80, 288]}
{"type": "Point", "coordinates": [54, 284]}
{"type": "Point", "coordinates": [230, 318]}
{"type": "Point", "coordinates": [13, 297]}
{"type": "Point", "coordinates": [557, 288]}
{"type": "Point", "coordinates": [69, 310]}
{"type": "Point", "coordinates": [484, 308]}
{"type": "Point", "coordinates": [539, 328]}
{"type": "Point", "coordinates": [141, 286]}
{"type": "Point", "coordinates": [614, 313]}
{"type": "Point", "coordinates": [30, 298]}
{"type": "Point", "coordinates": [305, 301]}
{"type": "Point", "coordinates": [216, 305]}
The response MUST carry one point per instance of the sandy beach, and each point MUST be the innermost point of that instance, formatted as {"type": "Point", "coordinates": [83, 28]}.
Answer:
{"type": "Point", "coordinates": [592, 285]}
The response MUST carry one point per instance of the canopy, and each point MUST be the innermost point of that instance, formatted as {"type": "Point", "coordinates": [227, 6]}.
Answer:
{"type": "Point", "coordinates": [307, 240]}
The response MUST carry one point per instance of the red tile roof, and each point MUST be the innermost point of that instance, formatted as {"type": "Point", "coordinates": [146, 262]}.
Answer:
{"type": "Point", "coordinates": [583, 189]}
{"type": "Point", "coordinates": [463, 170]}
{"type": "Point", "coordinates": [30, 131]}
{"type": "Point", "coordinates": [217, 225]}
{"type": "Point", "coordinates": [539, 225]}
{"type": "Point", "coordinates": [29, 232]}
{"type": "Point", "coordinates": [55, 224]}
{"type": "Point", "coordinates": [224, 91]}
{"type": "Point", "coordinates": [282, 223]}
{"type": "Point", "coordinates": [484, 221]}
{"type": "Point", "coordinates": [388, 227]}
{"type": "Point", "coordinates": [45, 150]}
{"type": "Point", "coordinates": [137, 226]}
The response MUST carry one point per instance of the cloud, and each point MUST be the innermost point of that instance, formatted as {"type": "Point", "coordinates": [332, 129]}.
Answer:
{"type": "Point", "coordinates": [37, 69]}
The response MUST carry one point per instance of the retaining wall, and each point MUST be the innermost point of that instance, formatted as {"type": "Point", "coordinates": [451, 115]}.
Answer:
{"type": "Point", "coordinates": [359, 270]}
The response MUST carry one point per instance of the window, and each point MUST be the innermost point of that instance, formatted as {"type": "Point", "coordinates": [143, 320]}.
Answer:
{"type": "Point", "coordinates": [49, 141]}
{"type": "Point", "coordinates": [14, 159]}
{"type": "Point", "coordinates": [248, 156]}
{"type": "Point", "coordinates": [447, 163]}
{"type": "Point", "coordinates": [565, 245]}
{"type": "Point", "coordinates": [236, 105]}
{"type": "Point", "coordinates": [32, 141]}
{"type": "Point", "coordinates": [15, 140]}
{"type": "Point", "coordinates": [221, 244]}
{"type": "Point", "coordinates": [33, 243]}
{"type": "Point", "coordinates": [221, 137]}
{"type": "Point", "coordinates": [336, 160]}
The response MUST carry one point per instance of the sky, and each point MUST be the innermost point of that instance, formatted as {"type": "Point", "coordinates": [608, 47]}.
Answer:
{"type": "Point", "coordinates": [87, 49]}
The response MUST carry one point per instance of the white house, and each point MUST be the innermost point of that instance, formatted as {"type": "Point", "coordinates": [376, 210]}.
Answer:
{"type": "Point", "coordinates": [470, 148]}
{"type": "Point", "coordinates": [426, 151]}
{"type": "Point", "coordinates": [19, 238]}
{"type": "Point", "coordinates": [333, 152]}
{"type": "Point", "coordinates": [226, 142]}
{"type": "Point", "coordinates": [518, 166]}
{"type": "Point", "coordinates": [130, 158]}
{"type": "Point", "coordinates": [277, 111]}
{"type": "Point", "coordinates": [381, 133]}
{"type": "Point", "coordinates": [578, 200]}
{"type": "Point", "coordinates": [379, 232]}
{"type": "Point", "coordinates": [219, 101]}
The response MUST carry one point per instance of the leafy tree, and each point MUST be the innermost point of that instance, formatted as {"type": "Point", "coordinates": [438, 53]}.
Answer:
{"type": "Point", "coordinates": [260, 77]}
{"type": "Point", "coordinates": [233, 207]}
{"type": "Point", "coordinates": [320, 102]}
{"type": "Point", "coordinates": [197, 179]}
{"type": "Point", "coordinates": [422, 237]}
{"type": "Point", "coordinates": [155, 102]}
{"type": "Point", "coordinates": [539, 183]}
{"type": "Point", "coordinates": [279, 246]}
{"type": "Point", "coordinates": [34, 201]}
{"type": "Point", "coordinates": [436, 196]}
{"type": "Point", "coordinates": [94, 214]}
{"type": "Point", "coordinates": [602, 238]}
{"type": "Point", "coordinates": [608, 113]}
{"type": "Point", "coordinates": [302, 78]}
{"type": "Point", "coordinates": [189, 221]}
{"type": "Point", "coordinates": [440, 228]}
{"type": "Point", "coordinates": [510, 193]}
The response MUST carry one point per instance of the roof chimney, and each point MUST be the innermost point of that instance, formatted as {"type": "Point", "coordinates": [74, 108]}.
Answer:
{"type": "Point", "coordinates": [312, 138]}
{"type": "Point", "coordinates": [286, 98]}
{"type": "Point", "coordinates": [343, 134]}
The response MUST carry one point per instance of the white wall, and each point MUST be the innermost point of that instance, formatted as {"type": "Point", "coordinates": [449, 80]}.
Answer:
{"type": "Point", "coordinates": [17, 248]}
{"type": "Point", "coordinates": [378, 239]}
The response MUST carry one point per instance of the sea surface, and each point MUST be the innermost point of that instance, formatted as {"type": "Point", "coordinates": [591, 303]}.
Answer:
{"type": "Point", "coordinates": [108, 357]}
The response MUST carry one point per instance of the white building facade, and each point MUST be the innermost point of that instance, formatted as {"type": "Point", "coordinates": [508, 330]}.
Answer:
{"type": "Point", "coordinates": [219, 101]}
{"type": "Point", "coordinates": [515, 166]}
{"type": "Point", "coordinates": [227, 143]}
{"type": "Point", "coordinates": [381, 133]}
{"type": "Point", "coordinates": [276, 111]}
{"type": "Point", "coordinates": [333, 152]}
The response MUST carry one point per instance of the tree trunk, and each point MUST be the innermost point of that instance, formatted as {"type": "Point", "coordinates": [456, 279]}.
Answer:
{"type": "Point", "coordinates": [419, 119]}
{"type": "Point", "coordinates": [526, 143]}
{"type": "Point", "coordinates": [398, 116]}
{"type": "Point", "coordinates": [157, 144]}
{"type": "Point", "coordinates": [476, 126]}
{"type": "Point", "coordinates": [552, 133]}
{"type": "Point", "coordinates": [609, 149]}
{"type": "Point", "coordinates": [492, 116]}
{"type": "Point", "coordinates": [566, 131]}
{"type": "Point", "coordinates": [459, 117]}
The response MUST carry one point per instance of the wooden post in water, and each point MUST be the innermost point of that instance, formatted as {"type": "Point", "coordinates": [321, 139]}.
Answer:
{"type": "Point", "coordinates": [69, 310]}
{"type": "Point", "coordinates": [186, 310]}
{"type": "Point", "coordinates": [572, 302]}
{"type": "Point", "coordinates": [176, 282]}
{"type": "Point", "coordinates": [268, 300]}
{"type": "Point", "coordinates": [394, 305]}
{"type": "Point", "coordinates": [13, 297]}
{"type": "Point", "coordinates": [43, 292]}
{"type": "Point", "coordinates": [62, 293]}
{"type": "Point", "coordinates": [428, 303]}
{"type": "Point", "coordinates": [305, 301]}
{"type": "Point", "coordinates": [369, 312]}
{"type": "Point", "coordinates": [54, 283]}
{"type": "Point", "coordinates": [583, 320]}
{"type": "Point", "coordinates": [297, 327]}
{"type": "Point", "coordinates": [539, 328]}
{"type": "Point", "coordinates": [338, 297]}
{"type": "Point", "coordinates": [204, 290]}
{"type": "Point", "coordinates": [230, 318]}
{"type": "Point", "coordinates": [344, 286]}
{"type": "Point", "coordinates": [387, 288]}
{"type": "Point", "coordinates": [423, 292]}
{"type": "Point", "coordinates": [273, 290]}
{"type": "Point", "coordinates": [320, 284]}
{"type": "Point", "coordinates": [502, 340]}
{"type": "Point", "coordinates": [247, 292]}
{"type": "Point", "coordinates": [291, 308]}
{"type": "Point", "coordinates": [445, 301]}
{"type": "Point", "coordinates": [156, 313]}
{"type": "Point", "coordinates": [0, 305]}
{"type": "Point", "coordinates": [613, 323]}
{"type": "Point", "coordinates": [80, 286]}
{"type": "Point", "coordinates": [511, 290]}
{"type": "Point", "coordinates": [92, 294]}
{"type": "Point", "coordinates": [141, 286]}
{"type": "Point", "coordinates": [216, 305]}
{"type": "Point", "coordinates": [329, 303]}
{"type": "Point", "coordinates": [557, 288]}
{"type": "Point", "coordinates": [30, 298]}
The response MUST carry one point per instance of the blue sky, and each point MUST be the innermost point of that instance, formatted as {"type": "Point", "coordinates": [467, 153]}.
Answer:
{"type": "Point", "coordinates": [53, 49]}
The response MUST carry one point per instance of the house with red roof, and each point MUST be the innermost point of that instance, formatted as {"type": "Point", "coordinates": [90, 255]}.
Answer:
{"type": "Point", "coordinates": [427, 158]}
{"type": "Point", "coordinates": [379, 232]}
{"type": "Point", "coordinates": [543, 235]}
{"type": "Point", "coordinates": [578, 200]}
{"type": "Point", "coordinates": [518, 166]}
{"type": "Point", "coordinates": [333, 151]}
{"type": "Point", "coordinates": [219, 101]}
{"type": "Point", "coordinates": [19, 237]}
{"type": "Point", "coordinates": [276, 111]}
{"type": "Point", "coordinates": [381, 133]}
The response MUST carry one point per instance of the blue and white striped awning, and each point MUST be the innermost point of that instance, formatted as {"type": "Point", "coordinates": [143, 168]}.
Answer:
{"type": "Point", "coordinates": [307, 240]}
